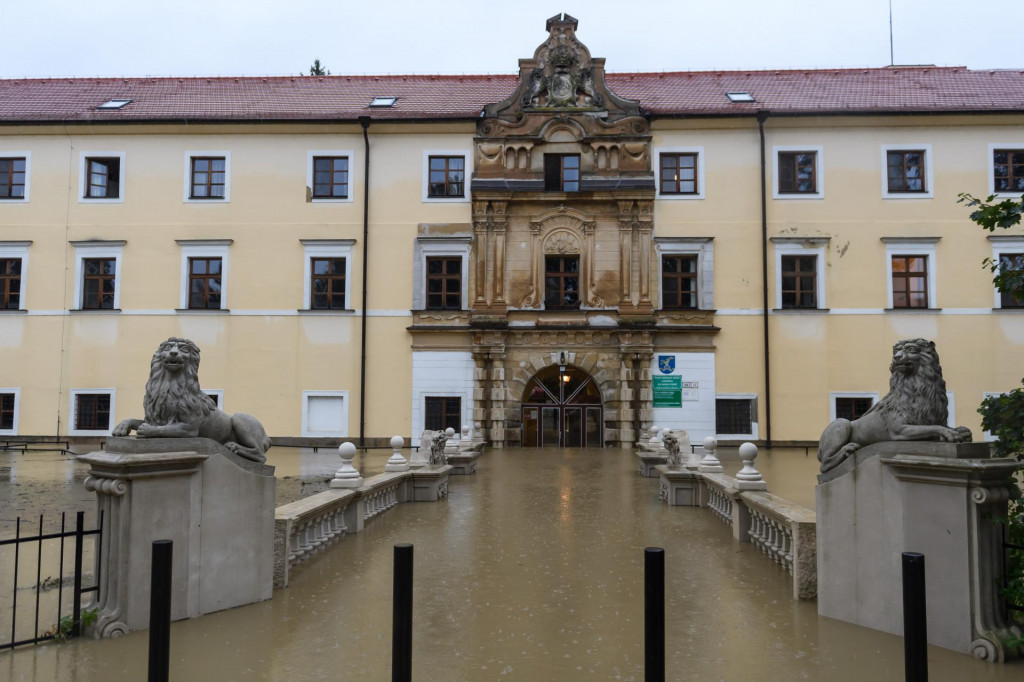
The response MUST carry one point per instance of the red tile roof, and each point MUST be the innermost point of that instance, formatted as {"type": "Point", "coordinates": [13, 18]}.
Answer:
{"type": "Point", "coordinates": [698, 93]}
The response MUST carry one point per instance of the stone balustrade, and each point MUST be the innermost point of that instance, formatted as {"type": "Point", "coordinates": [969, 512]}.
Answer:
{"type": "Point", "coordinates": [783, 531]}
{"type": "Point", "coordinates": [304, 527]}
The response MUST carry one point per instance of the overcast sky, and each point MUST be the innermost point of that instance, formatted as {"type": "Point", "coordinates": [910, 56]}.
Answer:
{"type": "Point", "coordinates": [45, 38]}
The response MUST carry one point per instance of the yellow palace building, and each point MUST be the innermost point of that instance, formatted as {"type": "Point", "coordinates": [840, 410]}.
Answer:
{"type": "Point", "coordinates": [564, 256]}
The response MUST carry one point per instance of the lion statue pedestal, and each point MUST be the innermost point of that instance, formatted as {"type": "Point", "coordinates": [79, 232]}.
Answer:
{"type": "Point", "coordinates": [217, 508]}
{"type": "Point", "coordinates": [900, 480]}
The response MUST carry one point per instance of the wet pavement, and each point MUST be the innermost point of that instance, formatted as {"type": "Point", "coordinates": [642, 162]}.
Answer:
{"type": "Point", "coordinates": [532, 569]}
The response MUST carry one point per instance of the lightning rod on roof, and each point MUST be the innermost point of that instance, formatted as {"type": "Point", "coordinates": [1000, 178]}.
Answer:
{"type": "Point", "coordinates": [892, 60]}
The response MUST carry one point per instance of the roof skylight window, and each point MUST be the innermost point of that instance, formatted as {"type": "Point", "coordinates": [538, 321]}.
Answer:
{"type": "Point", "coordinates": [739, 96]}
{"type": "Point", "coordinates": [383, 101]}
{"type": "Point", "coordinates": [115, 104]}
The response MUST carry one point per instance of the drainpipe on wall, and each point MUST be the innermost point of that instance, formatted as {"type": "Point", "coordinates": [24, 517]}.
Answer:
{"type": "Point", "coordinates": [364, 121]}
{"type": "Point", "coordinates": [762, 116]}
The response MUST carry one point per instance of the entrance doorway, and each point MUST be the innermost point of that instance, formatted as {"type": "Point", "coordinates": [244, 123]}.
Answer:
{"type": "Point", "coordinates": [562, 408]}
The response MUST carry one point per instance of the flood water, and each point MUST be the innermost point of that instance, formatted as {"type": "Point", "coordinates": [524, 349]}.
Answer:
{"type": "Point", "coordinates": [532, 569]}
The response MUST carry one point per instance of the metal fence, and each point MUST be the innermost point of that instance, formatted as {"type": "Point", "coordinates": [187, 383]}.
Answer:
{"type": "Point", "coordinates": [66, 617]}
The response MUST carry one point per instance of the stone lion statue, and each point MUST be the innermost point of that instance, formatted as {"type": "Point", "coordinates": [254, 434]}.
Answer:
{"type": "Point", "coordinates": [176, 408]}
{"type": "Point", "coordinates": [915, 408]}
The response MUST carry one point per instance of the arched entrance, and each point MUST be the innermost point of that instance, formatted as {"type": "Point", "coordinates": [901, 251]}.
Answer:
{"type": "Point", "coordinates": [562, 407]}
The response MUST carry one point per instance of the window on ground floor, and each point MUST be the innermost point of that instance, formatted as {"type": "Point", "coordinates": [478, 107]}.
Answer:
{"type": "Point", "coordinates": [9, 411]}
{"type": "Point", "coordinates": [92, 411]}
{"type": "Point", "coordinates": [443, 412]}
{"type": "Point", "coordinates": [735, 416]}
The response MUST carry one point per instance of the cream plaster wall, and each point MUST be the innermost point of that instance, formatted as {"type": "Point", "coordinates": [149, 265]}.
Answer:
{"type": "Point", "coordinates": [264, 353]}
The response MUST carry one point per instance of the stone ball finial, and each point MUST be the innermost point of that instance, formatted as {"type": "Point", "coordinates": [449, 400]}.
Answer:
{"type": "Point", "coordinates": [465, 432]}
{"type": "Point", "coordinates": [654, 431]}
{"type": "Point", "coordinates": [347, 476]}
{"type": "Point", "coordinates": [748, 477]}
{"type": "Point", "coordinates": [397, 462]}
{"type": "Point", "coordinates": [449, 432]}
{"type": "Point", "coordinates": [709, 463]}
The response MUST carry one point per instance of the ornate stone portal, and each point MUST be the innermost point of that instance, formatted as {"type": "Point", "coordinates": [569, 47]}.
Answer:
{"type": "Point", "coordinates": [561, 256]}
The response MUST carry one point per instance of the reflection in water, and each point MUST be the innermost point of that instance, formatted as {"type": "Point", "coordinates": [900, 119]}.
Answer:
{"type": "Point", "coordinates": [532, 569]}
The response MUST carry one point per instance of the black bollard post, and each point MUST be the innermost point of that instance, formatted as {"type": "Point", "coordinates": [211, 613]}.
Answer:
{"type": "Point", "coordinates": [915, 626]}
{"type": "Point", "coordinates": [401, 619]}
{"type": "Point", "coordinates": [160, 612]}
{"type": "Point", "coordinates": [654, 614]}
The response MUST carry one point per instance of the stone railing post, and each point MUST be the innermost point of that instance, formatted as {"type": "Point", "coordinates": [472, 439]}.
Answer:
{"type": "Point", "coordinates": [347, 476]}
{"type": "Point", "coordinates": [397, 462]}
{"type": "Point", "coordinates": [748, 477]}
{"type": "Point", "coordinates": [709, 464]}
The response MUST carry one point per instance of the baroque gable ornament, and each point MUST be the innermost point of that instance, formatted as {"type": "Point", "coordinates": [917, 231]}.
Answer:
{"type": "Point", "coordinates": [562, 76]}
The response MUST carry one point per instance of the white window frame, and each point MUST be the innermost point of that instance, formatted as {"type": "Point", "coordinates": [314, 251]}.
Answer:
{"type": "Point", "coordinates": [950, 410]}
{"type": "Point", "coordinates": [306, 395]}
{"type": "Point", "coordinates": [18, 250]}
{"type": "Point", "coordinates": [348, 154]}
{"type": "Point", "coordinates": [187, 191]}
{"type": "Point", "coordinates": [701, 183]}
{"type": "Point", "coordinates": [13, 431]}
{"type": "Point", "coordinates": [28, 175]}
{"type": "Point", "coordinates": [1000, 244]}
{"type": "Point", "coordinates": [98, 249]}
{"type": "Point", "coordinates": [929, 178]}
{"type": "Point", "coordinates": [424, 247]}
{"type": "Point", "coordinates": [326, 248]}
{"type": "Point", "coordinates": [847, 394]}
{"type": "Point", "coordinates": [467, 155]}
{"type": "Point", "coordinates": [801, 246]}
{"type": "Point", "coordinates": [819, 171]}
{"type": "Point", "coordinates": [911, 246]}
{"type": "Point", "coordinates": [991, 166]}
{"type": "Point", "coordinates": [219, 392]}
{"type": "Point", "coordinates": [704, 249]}
{"type": "Point", "coordinates": [73, 411]}
{"type": "Point", "coordinates": [83, 176]}
{"type": "Point", "coordinates": [204, 248]}
{"type": "Point", "coordinates": [753, 415]}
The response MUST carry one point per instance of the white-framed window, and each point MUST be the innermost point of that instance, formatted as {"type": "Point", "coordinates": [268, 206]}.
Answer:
{"type": "Point", "coordinates": [675, 256]}
{"type": "Point", "coordinates": [1008, 252]}
{"type": "Point", "coordinates": [217, 394]}
{"type": "Point", "coordinates": [1005, 165]}
{"type": "Point", "coordinates": [736, 416]}
{"type": "Point", "coordinates": [92, 411]}
{"type": "Point", "coordinates": [441, 273]}
{"type": "Point", "coordinates": [13, 274]}
{"type": "Point", "coordinates": [207, 177]}
{"type": "Point", "coordinates": [329, 178]}
{"type": "Point", "coordinates": [204, 274]}
{"type": "Point", "coordinates": [907, 171]}
{"type": "Point", "coordinates": [850, 404]}
{"type": "Point", "coordinates": [327, 275]}
{"type": "Point", "coordinates": [950, 410]}
{"type": "Point", "coordinates": [798, 172]}
{"type": "Point", "coordinates": [10, 409]}
{"type": "Point", "coordinates": [446, 174]}
{"type": "Point", "coordinates": [910, 272]}
{"type": "Point", "coordinates": [800, 272]}
{"type": "Point", "coordinates": [98, 275]}
{"type": "Point", "coordinates": [15, 177]}
{"type": "Point", "coordinates": [679, 172]}
{"type": "Point", "coordinates": [324, 414]}
{"type": "Point", "coordinates": [101, 177]}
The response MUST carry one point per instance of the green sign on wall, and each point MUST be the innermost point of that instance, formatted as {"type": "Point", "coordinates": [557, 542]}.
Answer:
{"type": "Point", "coordinates": [668, 391]}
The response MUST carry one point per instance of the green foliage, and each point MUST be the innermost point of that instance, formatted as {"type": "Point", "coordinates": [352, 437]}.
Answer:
{"type": "Point", "coordinates": [317, 70]}
{"type": "Point", "coordinates": [1003, 415]}
{"type": "Point", "coordinates": [61, 632]}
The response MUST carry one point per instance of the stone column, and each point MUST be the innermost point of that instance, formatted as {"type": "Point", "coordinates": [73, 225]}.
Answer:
{"type": "Point", "coordinates": [481, 393]}
{"type": "Point", "coordinates": [645, 265]}
{"type": "Point", "coordinates": [497, 391]}
{"type": "Point", "coordinates": [480, 256]}
{"type": "Point", "coordinates": [593, 300]}
{"type": "Point", "coordinates": [499, 230]}
{"type": "Point", "coordinates": [625, 262]}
